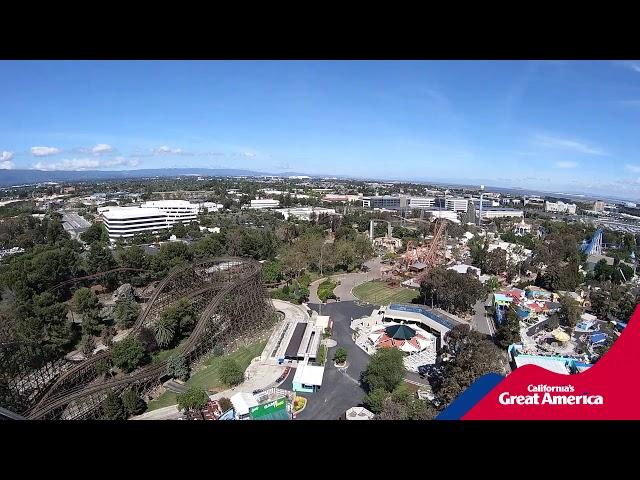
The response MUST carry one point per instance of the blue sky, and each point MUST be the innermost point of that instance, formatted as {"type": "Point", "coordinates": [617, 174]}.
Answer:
{"type": "Point", "coordinates": [552, 125]}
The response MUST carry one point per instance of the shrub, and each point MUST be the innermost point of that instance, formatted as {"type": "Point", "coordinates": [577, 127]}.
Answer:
{"type": "Point", "coordinates": [231, 373]}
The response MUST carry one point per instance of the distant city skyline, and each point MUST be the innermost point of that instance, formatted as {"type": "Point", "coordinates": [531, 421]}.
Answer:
{"type": "Point", "coordinates": [563, 126]}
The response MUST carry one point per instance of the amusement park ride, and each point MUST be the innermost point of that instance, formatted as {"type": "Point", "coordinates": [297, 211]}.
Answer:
{"type": "Point", "coordinates": [430, 256]}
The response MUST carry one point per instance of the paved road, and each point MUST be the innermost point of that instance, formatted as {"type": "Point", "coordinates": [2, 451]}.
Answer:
{"type": "Point", "coordinates": [481, 321]}
{"type": "Point", "coordinates": [340, 388]}
{"type": "Point", "coordinates": [348, 281]}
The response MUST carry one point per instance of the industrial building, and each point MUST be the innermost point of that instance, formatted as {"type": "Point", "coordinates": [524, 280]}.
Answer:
{"type": "Point", "coordinates": [560, 207]}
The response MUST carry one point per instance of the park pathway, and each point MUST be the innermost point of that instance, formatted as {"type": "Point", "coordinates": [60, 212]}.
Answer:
{"type": "Point", "coordinates": [348, 281]}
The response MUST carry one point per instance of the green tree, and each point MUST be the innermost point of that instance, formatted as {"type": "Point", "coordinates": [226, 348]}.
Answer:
{"type": "Point", "coordinates": [165, 330]}
{"type": "Point", "coordinates": [112, 408]}
{"type": "Point", "coordinates": [100, 258]}
{"type": "Point", "coordinates": [493, 284]}
{"type": "Point", "coordinates": [125, 313]}
{"type": "Point", "coordinates": [95, 233]}
{"type": "Point", "coordinates": [132, 403]}
{"type": "Point", "coordinates": [225, 404]}
{"type": "Point", "coordinates": [508, 332]}
{"type": "Point", "coordinates": [87, 345]}
{"type": "Point", "coordinates": [340, 355]}
{"type": "Point", "coordinates": [230, 372]}
{"type": "Point", "coordinates": [272, 271]}
{"type": "Point", "coordinates": [496, 261]}
{"type": "Point", "coordinates": [195, 398]}
{"type": "Point", "coordinates": [374, 400]}
{"type": "Point", "coordinates": [127, 354]}
{"type": "Point", "coordinates": [85, 301]}
{"type": "Point", "coordinates": [570, 312]}
{"type": "Point", "coordinates": [178, 367]}
{"type": "Point", "coordinates": [450, 290]}
{"type": "Point", "coordinates": [473, 355]}
{"type": "Point", "coordinates": [385, 370]}
{"type": "Point", "coordinates": [392, 410]}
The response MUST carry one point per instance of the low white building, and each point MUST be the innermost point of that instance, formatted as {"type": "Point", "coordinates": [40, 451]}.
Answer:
{"type": "Point", "coordinates": [265, 203]}
{"type": "Point", "coordinates": [305, 213]}
{"type": "Point", "coordinates": [211, 206]}
{"type": "Point", "coordinates": [463, 268]}
{"type": "Point", "coordinates": [493, 212]}
{"type": "Point", "coordinates": [560, 207]}
{"type": "Point", "coordinates": [242, 403]}
{"type": "Point", "coordinates": [445, 214]}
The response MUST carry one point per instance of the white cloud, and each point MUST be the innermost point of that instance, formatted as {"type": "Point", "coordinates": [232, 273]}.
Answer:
{"type": "Point", "coordinates": [102, 148]}
{"type": "Point", "coordinates": [566, 144]}
{"type": "Point", "coordinates": [566, 164]}
{"type": "Point", "coordinates": [6, 165]}
{"type": "Point", "coordinates": [44, 151]}
{"type": "Point", "coordinates": [85, 164]}
{"type": "Point", "coordinates": [6, 156]}
{"type": "Point", "coordinates": [632, 168]}
{"type": "Point", "coordinates": [246, 154]}
{"type": "Point", "coordinates": [166, 150]}
{"type": "Point", "coordinates": [633, 65]}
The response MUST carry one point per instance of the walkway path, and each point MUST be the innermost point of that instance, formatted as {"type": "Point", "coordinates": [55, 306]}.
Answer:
{"type": "Point", "coordinates": [348, 281]}
{"type": "Point", "coordinates": [258, 375]}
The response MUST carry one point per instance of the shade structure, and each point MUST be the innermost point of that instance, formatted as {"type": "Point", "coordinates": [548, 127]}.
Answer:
{"type": "Point", "coordinates": [400, 332]}
{"type": "Point", "coordinates": [560, 336]}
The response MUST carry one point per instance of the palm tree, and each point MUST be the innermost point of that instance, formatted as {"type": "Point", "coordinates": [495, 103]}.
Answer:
{"type": "Point", "coordinates": [165, 330]}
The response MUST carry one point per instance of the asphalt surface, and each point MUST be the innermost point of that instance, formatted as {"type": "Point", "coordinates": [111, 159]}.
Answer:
{"type": "Point", "coordinates": [481, 321]}
{"type": "Point", "coordinates": [341, 388]}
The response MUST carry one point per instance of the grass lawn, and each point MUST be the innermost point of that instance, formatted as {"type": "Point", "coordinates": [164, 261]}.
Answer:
{"type": "Point", "coordinates": [379, 293]}
{"type": "Point", "coordinates": [207, 377]}
{"type": "Point", "coordinates": [165, 354]}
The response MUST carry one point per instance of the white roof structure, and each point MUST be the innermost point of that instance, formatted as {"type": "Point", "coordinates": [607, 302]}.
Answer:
{"type": "Point", "coordinates": [322, 321]}
{"type": "Point", "coordinates": [463, 268]}
{"type": "Point", "coordinates": [122, 213]}
{"type": "Point", "coordinates": [168, 204]}
{"type": "Point", "coordinates": [309, 374]}
{"type": "Point", "coordinates": [242, 402]}
{"type": "Point", "coordinates": [359, 413]}
{"type": "Point", "coordinates": [557, 366]}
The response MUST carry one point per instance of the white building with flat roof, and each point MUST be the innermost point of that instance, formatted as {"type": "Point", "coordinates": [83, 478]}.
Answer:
{"type": "Point", "coordinates": [560, 207]}
{"type": "Point", "coordinates": [305, 213]}
{"type": "Point", "coordinates": [422, 202]}
{"type": "Point", "coordinates": [175, 210]}
{"type": "Point", "coordinates": [493, 212]}
{"type": "Point", "coordinates": [265, 203]}
{"type": "Point", "coordinates": [122, 222]}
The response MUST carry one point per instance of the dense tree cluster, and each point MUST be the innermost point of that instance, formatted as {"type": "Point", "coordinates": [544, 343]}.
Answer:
{"type": "Point", "coordinates": [508, 332]}
{"type": "Point", "coordinates": [450, 290]}
{"type": "Point", "coordinates": [387, 393]}
{"type": "Point", "coordinates": [472, 355]}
